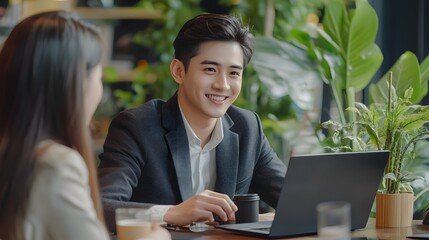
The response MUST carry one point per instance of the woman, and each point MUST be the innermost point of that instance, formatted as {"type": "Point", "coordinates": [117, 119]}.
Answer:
{"type": "Point", "coordinates": [50, 86]}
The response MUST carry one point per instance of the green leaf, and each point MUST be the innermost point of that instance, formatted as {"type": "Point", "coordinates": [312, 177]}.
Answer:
{"type": "Point", "coordinates": [424, 75]}
{"type": "Point", "coordinates": [406, 73]}
{"type": "Point", "coordinates": [325, 41]}
{"type": "Point", "coordinates": [424, 67]}
{"type": "Point", "coordinates": [413, 124]}
{"type": "Point", "coordinates": [362, 106]}
{"type": "Point", "coordinates": [373, 135]}
{"type": "Point", "coordinates": [408, 93]}
{"type": "Point", "coordinates": [410, 178]}
{"type": "Point", "coordinates": [390, 176]}
{"type": "Point", "coordinates": [331, 125]}
{"type": "Point", "coordinates": [327, 71]}
{"type": "Point", "coordinates": [412, 121]}
{"type": "Point", "coordinates": [405, 187]}
{"type": "Point", "coordinates": [354, 110]}
{"type": "Point", "coordinates": [363, 56]}
{"type": "Point", "coordinates": [336, 22]}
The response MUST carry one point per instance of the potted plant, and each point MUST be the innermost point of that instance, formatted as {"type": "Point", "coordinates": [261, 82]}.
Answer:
{"type": "Point", "coordinates": [395, 126]}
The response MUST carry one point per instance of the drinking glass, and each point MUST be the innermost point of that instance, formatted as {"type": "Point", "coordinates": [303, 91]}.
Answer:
{"type": "Point", "coordinates": [333, 220]}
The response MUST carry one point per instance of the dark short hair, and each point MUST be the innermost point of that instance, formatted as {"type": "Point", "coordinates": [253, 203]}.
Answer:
{"type": "Point", "coordinates": [211, 27]}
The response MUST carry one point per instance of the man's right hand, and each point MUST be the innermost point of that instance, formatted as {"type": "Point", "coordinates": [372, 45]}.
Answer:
{"type": "Point", "coordinates": [201, 208]}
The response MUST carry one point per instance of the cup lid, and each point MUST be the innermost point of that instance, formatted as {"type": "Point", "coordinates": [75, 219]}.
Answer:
{"type": "Point", "coordinates": [246, 197]}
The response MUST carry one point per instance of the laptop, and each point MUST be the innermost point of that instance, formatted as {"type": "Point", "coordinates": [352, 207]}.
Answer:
{"type": "Point", "coordinates": [311, 179]}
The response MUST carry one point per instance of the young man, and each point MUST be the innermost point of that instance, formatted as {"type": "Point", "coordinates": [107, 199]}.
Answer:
{"type": "Point", "coordinates": [187, 157]}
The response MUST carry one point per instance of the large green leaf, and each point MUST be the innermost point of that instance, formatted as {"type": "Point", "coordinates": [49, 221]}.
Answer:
{"type": "Point", "coordinates": [321, 49]}
{"type": "Point", "coordinates": [336, 22]}
{"type": "Point", "coordinates": [355, 34]}
{"type": "Point", "coordinates": [363, 56]}
{"type": "Point", "coordinates": [406, 73]}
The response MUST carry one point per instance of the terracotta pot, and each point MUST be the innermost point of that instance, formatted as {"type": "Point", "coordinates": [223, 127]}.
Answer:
{"type": "Point", "coordinates": [394, 210]}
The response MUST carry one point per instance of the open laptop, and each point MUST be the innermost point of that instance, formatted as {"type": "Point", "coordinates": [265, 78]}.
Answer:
{"type": "Point", "coordinates": [311, 179]}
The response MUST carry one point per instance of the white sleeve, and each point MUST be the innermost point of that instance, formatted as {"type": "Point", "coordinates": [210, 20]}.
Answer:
{"type": "Point", "coordinates": [72, 214]}
{"type": "Point", "coordinates": [158, 212]}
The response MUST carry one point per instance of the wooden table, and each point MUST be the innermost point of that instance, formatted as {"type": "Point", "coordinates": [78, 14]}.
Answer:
{"type": "Point", "coordinates": [370, 232]}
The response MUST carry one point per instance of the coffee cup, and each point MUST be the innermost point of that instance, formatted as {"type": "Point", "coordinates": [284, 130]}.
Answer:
{"type": "Point", "coordinates": [248, 207]}
{"type": "Point", "coordinates": [133, 223]}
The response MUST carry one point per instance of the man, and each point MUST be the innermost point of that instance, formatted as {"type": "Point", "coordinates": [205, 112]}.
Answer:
{"type": "Point", "coordinates": [187, 157]}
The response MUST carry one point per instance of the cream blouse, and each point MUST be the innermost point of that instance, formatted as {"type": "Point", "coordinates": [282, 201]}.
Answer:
{"type": "Point", "coordinates": [60, 205]}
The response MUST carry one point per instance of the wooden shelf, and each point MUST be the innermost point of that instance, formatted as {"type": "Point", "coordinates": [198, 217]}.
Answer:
{"type": "Point", "coordinates": [117, 13]}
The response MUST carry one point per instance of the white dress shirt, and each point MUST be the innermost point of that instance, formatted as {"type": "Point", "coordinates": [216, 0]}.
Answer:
{"type": "Point", "coordinates": [203, 162]}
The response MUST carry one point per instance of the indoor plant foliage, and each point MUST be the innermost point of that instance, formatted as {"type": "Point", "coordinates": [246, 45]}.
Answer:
{"type": "Point", "coordinates": [342, 50]}
{"type": "Point", "coordinates": [345, 54]}
{"type": "Point", "coordinates": [395, 126]}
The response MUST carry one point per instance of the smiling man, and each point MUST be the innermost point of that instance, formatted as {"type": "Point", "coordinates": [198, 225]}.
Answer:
{"type": "Point", "coordinates": [187, 157]}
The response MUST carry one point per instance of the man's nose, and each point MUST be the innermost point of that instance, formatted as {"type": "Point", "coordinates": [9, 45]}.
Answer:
{"type": "Point", "coordinates": [221, 82]}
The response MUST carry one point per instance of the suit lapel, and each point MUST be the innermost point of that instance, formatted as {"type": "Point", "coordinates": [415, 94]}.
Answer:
{"type": "Point", "coordinates": [178, 144]}
{"type": "Point", "coordinates": [227, 160]}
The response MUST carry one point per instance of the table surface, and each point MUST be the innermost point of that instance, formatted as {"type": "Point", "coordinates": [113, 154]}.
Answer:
{"type": "Point", "coordinates": [370, 232]}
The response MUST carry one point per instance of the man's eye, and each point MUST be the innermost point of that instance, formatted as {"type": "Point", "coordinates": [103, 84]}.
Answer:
{"type": "Point", "coordinates": [210, 70]}
{"type": "Point", "coordinates": [235, 73]}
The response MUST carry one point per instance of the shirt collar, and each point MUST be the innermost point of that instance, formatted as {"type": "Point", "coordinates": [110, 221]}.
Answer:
{"type": "Point", "coordinates": [216, 137]}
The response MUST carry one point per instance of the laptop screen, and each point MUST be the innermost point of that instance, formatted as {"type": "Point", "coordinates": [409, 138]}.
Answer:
{"type": "Point", "coordinates": [353, 177]}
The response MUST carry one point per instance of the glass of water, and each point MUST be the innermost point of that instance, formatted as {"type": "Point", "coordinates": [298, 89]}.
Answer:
{"type": "Point", "coordinates": [333, 220]}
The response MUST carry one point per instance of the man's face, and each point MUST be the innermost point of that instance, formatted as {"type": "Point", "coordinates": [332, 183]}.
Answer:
{"type": "Point", "coordinates": [212, 81]}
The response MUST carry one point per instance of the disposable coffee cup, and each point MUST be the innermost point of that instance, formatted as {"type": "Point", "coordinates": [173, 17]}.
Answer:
{"type": "Point", "coordinates": [248, 207]}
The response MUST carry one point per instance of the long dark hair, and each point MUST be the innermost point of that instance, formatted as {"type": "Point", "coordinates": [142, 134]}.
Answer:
{"type": "Point", "coordinates": [211, 27]}
{"type": "Point", "coordinates": [44, 63]}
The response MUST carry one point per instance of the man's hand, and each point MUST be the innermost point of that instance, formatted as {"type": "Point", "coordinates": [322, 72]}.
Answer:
{"type": "Point", "coordinates": [201, 208]}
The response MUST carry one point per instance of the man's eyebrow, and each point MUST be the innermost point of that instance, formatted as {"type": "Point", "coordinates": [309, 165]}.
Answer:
{"type": "Point", "coordinates": [218, 64]}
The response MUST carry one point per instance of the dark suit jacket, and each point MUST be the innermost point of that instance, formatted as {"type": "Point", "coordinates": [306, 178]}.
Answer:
{"type": "Point", "coordinates": [146, 158]}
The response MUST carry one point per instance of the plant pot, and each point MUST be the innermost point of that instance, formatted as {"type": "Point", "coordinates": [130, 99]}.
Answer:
{"type": "Point", "coordinates": [394, 210]}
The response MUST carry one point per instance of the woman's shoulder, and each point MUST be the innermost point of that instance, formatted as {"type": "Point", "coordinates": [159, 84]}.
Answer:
{"type": "Point", "coordinates": [52, 155]}
{"type": "Point", "coordinates": [60, 205]}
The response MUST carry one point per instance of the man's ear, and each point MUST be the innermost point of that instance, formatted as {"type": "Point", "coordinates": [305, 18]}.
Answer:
{"type": "Point", "coordinates": [177, 70]}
